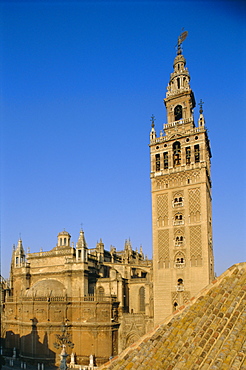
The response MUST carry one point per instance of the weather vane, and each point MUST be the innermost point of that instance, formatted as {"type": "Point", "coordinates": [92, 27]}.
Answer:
{"type": "Point", "coordinates": [201, 104]}
{"type": "Point", "coordinates": [181, 39]}
{"type": "Point", "coordinates": [152, 120]}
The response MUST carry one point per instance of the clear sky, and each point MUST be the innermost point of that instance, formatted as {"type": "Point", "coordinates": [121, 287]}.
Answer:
{"type": "Point", "coordinates": [79, 83]}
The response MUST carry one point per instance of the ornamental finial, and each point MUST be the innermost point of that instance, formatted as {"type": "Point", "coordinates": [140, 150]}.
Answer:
{"type": "Point", "coordinates": [201, 104]}
{"type": "Point", "coordinates": [152, 120]}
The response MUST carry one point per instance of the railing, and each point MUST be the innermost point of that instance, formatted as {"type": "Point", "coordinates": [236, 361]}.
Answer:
{"type": "Point", "coordinates": [178, 204]}
{"type": "Point", "coordinates": [178, 222]}
{"type": "Point", "coordinates": [179, 265]}
{"type": "Point", "coordinates": [179, 122]}
{"type": "Point", "coordinates": [179, 244]}
{"type": "Point", "coordinates": [180, 288]}
{"type": "Point", "coordinates": [87, 298]}
{"type": "Point", "coordinates": [194, 130]}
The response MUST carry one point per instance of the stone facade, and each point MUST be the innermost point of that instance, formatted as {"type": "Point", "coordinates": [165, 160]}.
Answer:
{"type": "Point", "coordinates": [94, 301]}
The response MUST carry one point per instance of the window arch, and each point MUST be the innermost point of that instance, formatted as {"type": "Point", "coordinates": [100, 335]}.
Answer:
{"type": "Point", "coordinates": [178, 112]}
{"type": "Point", "coordinates": [179, 260]}
{"type": "Point", "coordinates": [176, 153]}
{"type": "Point", "coordinates": [157, 162]}
{"type": "Point", "coordinates": [178, 219]}
{"type": "Point", "coordinates": [178, 200]}
{"type": "Point", "coordinates": [179, 241]}
{"type": "Point", "coordinates": [180, 285]}
{"type": "Point", "coordinates": [165, 156]}
{"type": "Point", "coordinates": [197, 153]}
{"type": "Point", "coordinates": [175, 305]}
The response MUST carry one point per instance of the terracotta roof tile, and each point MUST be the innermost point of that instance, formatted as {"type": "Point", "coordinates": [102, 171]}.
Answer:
{"type": "Point", "coordinates": [208, 333]}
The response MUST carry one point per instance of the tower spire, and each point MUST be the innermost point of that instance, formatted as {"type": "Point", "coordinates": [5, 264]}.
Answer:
{"type": "Point", "coordinates": [181, 198]}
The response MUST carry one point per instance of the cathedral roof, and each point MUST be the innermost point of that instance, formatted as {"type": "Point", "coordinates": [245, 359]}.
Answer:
{"type": "Point", "coordinates": [209, 332]}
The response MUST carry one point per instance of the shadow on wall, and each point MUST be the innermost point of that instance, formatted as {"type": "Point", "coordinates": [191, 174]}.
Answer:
{"type": "Point", "coordinates": [29, 347]}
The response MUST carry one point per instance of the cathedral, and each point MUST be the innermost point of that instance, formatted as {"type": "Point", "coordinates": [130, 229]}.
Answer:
{"type": "Point", "coordinates": [96, 301]}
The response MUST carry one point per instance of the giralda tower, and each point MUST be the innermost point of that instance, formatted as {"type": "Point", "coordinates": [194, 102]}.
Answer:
{"type": "Point", "coordinates": [181, 197]}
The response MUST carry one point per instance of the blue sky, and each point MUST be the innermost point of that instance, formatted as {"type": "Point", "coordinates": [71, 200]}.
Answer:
{"type": "Point", "coordinates": [79, 82]}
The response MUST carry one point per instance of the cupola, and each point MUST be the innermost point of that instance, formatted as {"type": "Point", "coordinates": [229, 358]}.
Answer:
{"type": "Point", "coordinates": [63, 239]}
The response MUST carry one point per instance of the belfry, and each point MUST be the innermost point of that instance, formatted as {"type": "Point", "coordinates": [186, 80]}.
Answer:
{"type": "Point", "coordinates": [181, 197]}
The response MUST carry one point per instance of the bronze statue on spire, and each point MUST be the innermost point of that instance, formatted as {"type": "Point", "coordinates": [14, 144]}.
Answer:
{"type": "Point", "coordinates": [181, 39]}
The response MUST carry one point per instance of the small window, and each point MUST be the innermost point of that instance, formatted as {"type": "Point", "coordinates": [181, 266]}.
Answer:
{"type": "Point", "coordinates": [165, 160]}
{"type": "Point", "coordinates": [179, 260]}
{"type": "Point", "coordinates": [188, 155]}
{"type": "Point", "coordinates": [179, 241]}
{"type": "Point", "coordinates": [176, 154]}
{"type": "Point", "coordinates": [197, 153]}
{"type": "Point", "coordinates": [178, 202]}
{"type": "Point", "coordinates": [178, 82]}
{"type": "Point", "coordinates": [178, 217]}
{"type": "Point", "coordinates": [157, 162]}
{"type": "Point", "coordinates": [65, 241]}
{"type": "Point", "coordinates": [178, 112]}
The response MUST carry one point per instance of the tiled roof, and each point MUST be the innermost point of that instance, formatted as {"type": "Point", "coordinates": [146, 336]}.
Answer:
{"type": "Point", "coordinates": [208, 333]}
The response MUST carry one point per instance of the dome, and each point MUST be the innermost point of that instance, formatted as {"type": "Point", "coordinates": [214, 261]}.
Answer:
{"type": "Point", "coordinates": [47, 288]}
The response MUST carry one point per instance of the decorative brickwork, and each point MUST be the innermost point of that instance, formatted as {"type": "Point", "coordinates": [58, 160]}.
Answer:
{"type": "Point", "coordinates": [179, 179]}
{"type": "Point", "coordinates": [180, 297]}
{"type": "Point", "coordinates": [163, 248]}
{"type": "Point", "coordinates": [195, 243]}
{"type": "Point", "coordinates": [162, 209]}
{"type": "Point", "coordinates": [194, 204]}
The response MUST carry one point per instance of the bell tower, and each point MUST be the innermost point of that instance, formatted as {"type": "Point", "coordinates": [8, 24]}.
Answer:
{"type": "Point", "coordinates": [181, 197]}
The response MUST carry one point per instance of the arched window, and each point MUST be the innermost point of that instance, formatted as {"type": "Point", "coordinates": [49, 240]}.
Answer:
{"type": "Point", "coordinates": [178, 82]}
{"type": "Point", "coordinates": [178, 201]}
{"type": "Point", "coordinates": [188, 154]}
{"type": "Point", "coordinates": [176, 154]}
{"type": "Point", "coordinates": [175, 305]}
{"type": "Point", "coordinates": [178, 112]}
{"type": "Point", "coordinates": [165, 155]}
{"type": "Point", "coordinates": [197, 153]}
{"type": "Point", "coordinates": [157, 162]}
{"type": "Point", "coordinates": [179, 241]}
{"type": "Point", "coordinates": [180, 285]}
{"type": "Point", "coordinates": [178, 219]}
{"type": "Point", "coordinates": [179, 260]}
{"type": "Point", "coordinates": [142, 299]}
